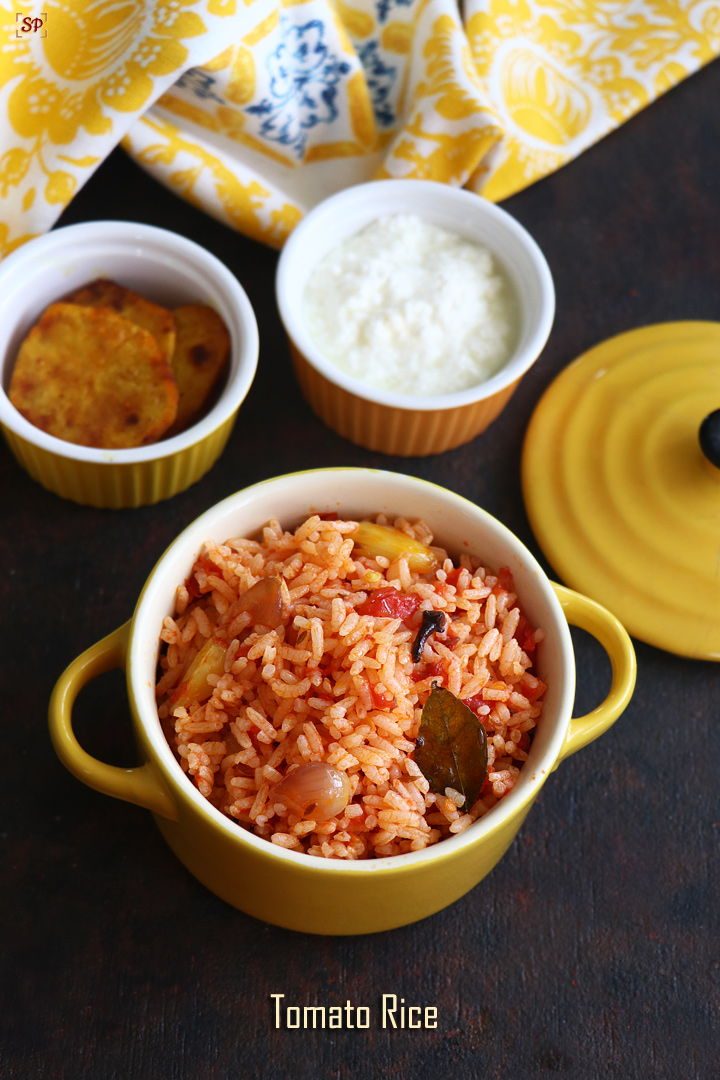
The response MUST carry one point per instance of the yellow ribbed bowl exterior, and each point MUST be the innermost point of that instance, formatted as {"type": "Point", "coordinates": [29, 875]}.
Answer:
{"type": "Point", "coordinates": [403, 432]}
{"type": "Point", "coordinates": [287, 888]}
{"type": "Point", "coordinates": [118, 486]}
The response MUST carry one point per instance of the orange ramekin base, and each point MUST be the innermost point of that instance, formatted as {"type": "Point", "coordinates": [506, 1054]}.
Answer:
{"type": "Point", "coordinates": [403, 432]}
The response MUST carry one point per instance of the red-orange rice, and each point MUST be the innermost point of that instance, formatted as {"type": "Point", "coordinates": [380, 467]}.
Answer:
{"type": "Point", "coordinates": [347, 693]}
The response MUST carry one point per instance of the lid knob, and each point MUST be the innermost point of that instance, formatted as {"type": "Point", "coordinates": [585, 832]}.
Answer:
{"type": "Point", "coordinates": [710, 438]}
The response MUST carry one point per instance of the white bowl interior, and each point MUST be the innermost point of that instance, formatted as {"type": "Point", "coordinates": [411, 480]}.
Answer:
{"type": "Point", "coordinates": [471, 216]}
{"type": "Point", "coordinates": [159, 265]}
{"type": "Point", "coordinates": [457, 524]}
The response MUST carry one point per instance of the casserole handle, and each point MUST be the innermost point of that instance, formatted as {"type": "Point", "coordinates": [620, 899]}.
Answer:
{"type": "Point", "coordinates": [612, 635]}
{"type": "Point", "coordinates": [140, 785]}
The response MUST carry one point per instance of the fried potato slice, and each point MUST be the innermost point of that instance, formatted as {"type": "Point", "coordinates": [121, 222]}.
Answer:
{"type": "Point", "coordinates": [89, 376]}
{"type": "Point", "coordinates": [157, 320]}
{"type": "Point", "coordinates": [201, 356]}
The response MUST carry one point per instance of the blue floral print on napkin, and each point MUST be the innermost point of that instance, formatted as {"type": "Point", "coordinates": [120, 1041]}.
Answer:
{"type": "Point", "coordinates": [200, 84]}
{"type": "Point", "coordinates": [380, 78]}
{"type": "Point", "coordinates": [303, 85]}
{"type": "Point", "coordinates": [384, 7]}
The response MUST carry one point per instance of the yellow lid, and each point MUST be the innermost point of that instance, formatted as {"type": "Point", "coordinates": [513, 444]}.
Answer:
{"type": "Point", "coordinates": [618, 492]}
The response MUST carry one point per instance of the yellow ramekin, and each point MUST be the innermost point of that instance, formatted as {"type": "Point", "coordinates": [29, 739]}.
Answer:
{"type": "Point", "coordinates": [161, 266]}
{"type": "Point", "coordinates": [407, 424]}
{"type": "Point", "coordinates": [296, 890]}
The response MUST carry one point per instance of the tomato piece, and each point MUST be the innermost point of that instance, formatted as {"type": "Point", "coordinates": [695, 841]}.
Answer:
{"type": "Point", "coordinates": [454, 576]}
{"type": "Point", "coordinates": [328, 515]}
{"type": "Point", "coordinates": [381, 700]}
{"type": "Point", "coordinates": [474, 702]}
{"type": "Point", "coordinates": [532, 693]}
{"type": "Point", "coordinates": [389, 604]}
{"type": "Point", "coordinates": [525, 634]}
{"type": "Point", "coordinates": [505, 579]}
{"type": "Point", "coordinates": [192, 587]}
{"type": "Point", "coordinates": [429, 671]}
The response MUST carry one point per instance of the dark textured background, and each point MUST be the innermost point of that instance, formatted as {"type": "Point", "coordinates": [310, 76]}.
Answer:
{"type": "Point", "coordinates": [592, 949]}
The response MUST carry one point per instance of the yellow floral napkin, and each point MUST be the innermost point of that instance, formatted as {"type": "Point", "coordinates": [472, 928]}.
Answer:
{"type": "Point", "coordinates": [257, 109]}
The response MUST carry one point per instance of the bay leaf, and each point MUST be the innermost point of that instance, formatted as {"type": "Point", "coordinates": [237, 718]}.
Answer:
{"type": "Point", "coordinates": [451, 747]}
